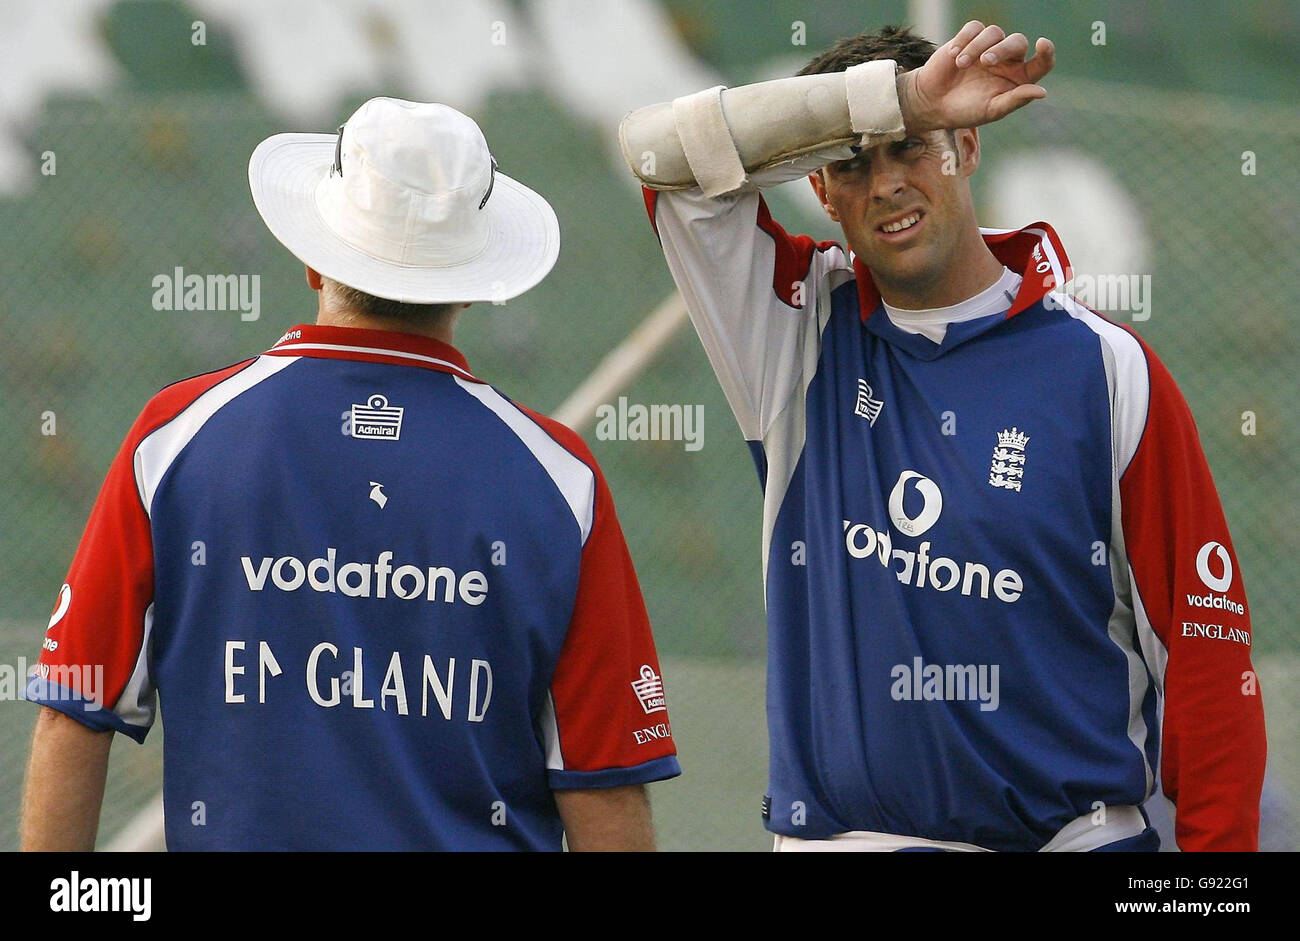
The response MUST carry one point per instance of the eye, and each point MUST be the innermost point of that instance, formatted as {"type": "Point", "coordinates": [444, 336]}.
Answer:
{"type": "Point", "coordinates": [853, 165]}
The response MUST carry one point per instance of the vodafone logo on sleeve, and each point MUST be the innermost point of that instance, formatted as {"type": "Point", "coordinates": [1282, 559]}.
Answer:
{"type": "Point", "coordinates": [1214, 568]}
{"type": "Point", "coordinates": [1214, 582]}
{"type": "Point", "coordinates": [60, 609]}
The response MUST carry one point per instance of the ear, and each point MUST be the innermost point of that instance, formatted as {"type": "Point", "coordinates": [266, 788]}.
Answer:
{"type": "Point", "coordinates": [819, 187]}
{"type": "Point", "coordinates": [968, 149]}
{"type": "Point", "coordinates": [314, 279]}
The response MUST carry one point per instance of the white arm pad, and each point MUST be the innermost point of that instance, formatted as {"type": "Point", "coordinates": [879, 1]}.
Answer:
{"type": "Point", "coordinates": [715, 138]}
{"type": "Point", "coordinates": [706, 141]}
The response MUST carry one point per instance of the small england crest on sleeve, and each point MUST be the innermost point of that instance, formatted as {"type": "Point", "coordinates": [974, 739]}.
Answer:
{"type": "Point", "coordinates": [649, 690]}
{"type": "Point", "coordinates": [1008, 465]}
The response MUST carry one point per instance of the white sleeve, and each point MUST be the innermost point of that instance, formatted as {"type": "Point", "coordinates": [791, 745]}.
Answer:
{"type": "Point", "coordinates": [752, 291]}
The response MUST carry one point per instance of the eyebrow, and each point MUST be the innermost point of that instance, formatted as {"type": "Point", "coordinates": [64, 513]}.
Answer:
{"type": "Point", "coordinates": [864, 154]}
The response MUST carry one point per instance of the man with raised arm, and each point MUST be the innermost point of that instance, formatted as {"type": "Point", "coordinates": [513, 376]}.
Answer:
{"type": "Point", "coordinates": [1002, 600]}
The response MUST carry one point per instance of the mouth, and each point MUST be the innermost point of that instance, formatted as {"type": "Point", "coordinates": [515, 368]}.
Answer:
{"type": "Point", "coordinates": [902, 227]}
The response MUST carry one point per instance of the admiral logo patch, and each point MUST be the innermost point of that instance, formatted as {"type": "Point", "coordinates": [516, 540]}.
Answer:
{"type": "Point", "coordinates": [649, 691]}
{"type": "Point", "coordinates": [377, 420]}
{"type": "Point", "coordinates": [867, 405]}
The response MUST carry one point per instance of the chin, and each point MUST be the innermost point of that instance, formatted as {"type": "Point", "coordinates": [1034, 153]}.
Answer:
{"type": "Point", "coordinates": [916, 265]}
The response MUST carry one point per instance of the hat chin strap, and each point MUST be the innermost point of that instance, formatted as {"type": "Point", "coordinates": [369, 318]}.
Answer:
{"type": "Point", "coordinates": [399, 225]}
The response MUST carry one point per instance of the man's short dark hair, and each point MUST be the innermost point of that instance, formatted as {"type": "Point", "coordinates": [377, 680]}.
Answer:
{"type": "Point", "coordinates": [908, 50]}
{"type": "Point", "coordinates": [889, 42]}
{"type": "Point", "coordinates": [349, 298]}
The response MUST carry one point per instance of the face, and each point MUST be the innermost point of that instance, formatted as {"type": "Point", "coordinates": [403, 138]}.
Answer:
{"type": "Point", "coordinates": [905, 206]}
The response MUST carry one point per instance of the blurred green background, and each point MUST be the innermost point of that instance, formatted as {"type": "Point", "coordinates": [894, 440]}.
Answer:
{"type": "Point", "coordinates": [151, 175]}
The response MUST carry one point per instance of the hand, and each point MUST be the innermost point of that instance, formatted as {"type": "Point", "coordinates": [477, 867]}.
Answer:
{"type": "Point", "coordinates": [979, 76]}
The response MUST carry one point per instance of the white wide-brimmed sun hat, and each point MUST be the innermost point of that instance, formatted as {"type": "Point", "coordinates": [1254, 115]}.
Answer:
{"type": "Point", "coordinates": [406, 203]}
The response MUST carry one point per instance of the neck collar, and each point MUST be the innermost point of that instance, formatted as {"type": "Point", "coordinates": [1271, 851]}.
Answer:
{"type": "Point", "coordinates": [1035, 252]}
{"type": "Point", "coordinates": [381, 346]}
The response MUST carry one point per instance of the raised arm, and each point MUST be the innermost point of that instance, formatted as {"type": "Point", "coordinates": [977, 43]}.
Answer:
{"type": "Point", "coordinates": [719, 137]}
{"type": "Point", "coordinates": [754, 291]}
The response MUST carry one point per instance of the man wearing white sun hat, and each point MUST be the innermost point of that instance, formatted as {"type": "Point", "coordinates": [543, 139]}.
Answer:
{"type": "Point", "coordinates": [423, 632]}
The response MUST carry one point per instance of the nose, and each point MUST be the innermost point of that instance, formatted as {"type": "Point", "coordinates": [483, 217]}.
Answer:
{"type": "Point", "coordinates": [888, 179]}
